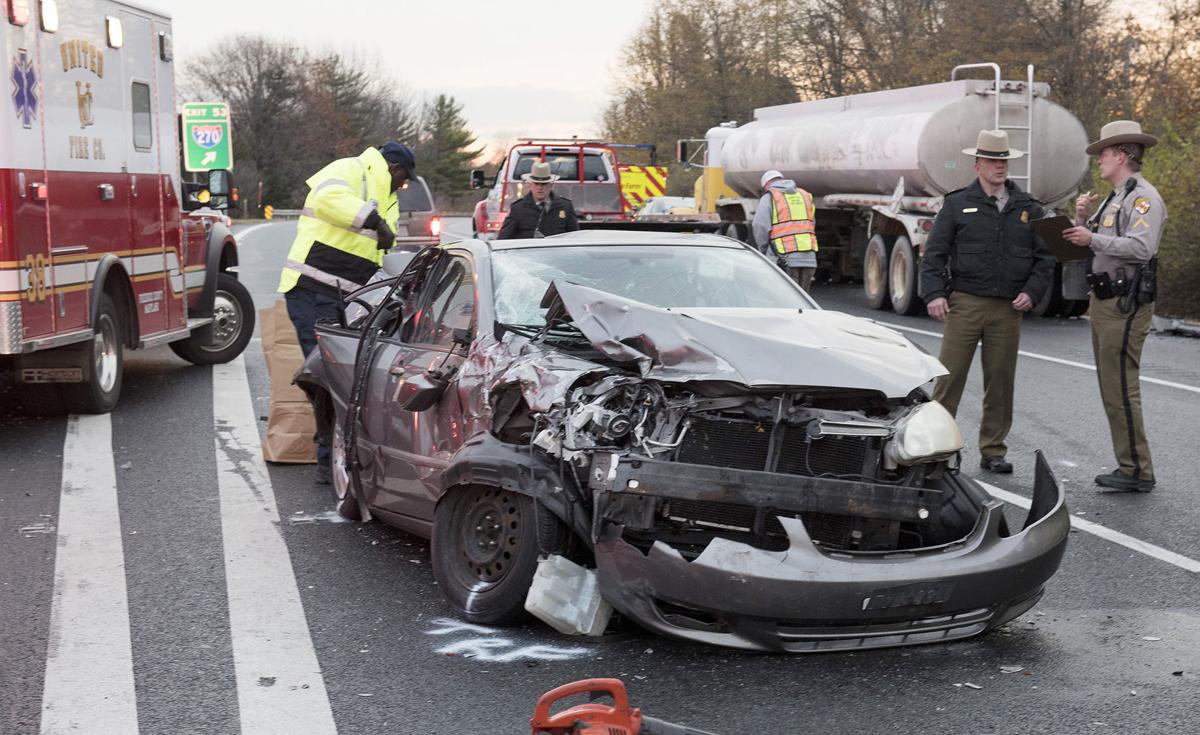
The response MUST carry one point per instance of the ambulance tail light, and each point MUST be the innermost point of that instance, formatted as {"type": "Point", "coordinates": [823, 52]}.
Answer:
{"type": "Point", "coordinates": [18, 12]}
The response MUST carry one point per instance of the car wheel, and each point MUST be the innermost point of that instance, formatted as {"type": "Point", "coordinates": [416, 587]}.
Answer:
{"type": "Point", "coordinates": [875, 272]}
{"type": "Point", "coordinates": [233, 325]}
{"type": "Point", "coordinates": [902, 279]}
{"type": "Point", "coordinates": [105, 358]}
{"type": "Point", "coordinates": [345, 487]}
{"type": "Point", "coordinates": [485, 550]}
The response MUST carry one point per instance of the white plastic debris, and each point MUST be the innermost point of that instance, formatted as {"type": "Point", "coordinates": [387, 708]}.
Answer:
{"type": "Point", "coordinates": [567, 597]}
{"type": "Point", "coordinates": [1151, 638]}
{"type": "Point", "coordinates": [969, 685]}
{"type": "Point", "coordinates": [1011, 669]}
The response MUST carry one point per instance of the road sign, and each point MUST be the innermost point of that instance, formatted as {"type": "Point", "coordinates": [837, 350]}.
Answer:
{"type": "Point", "coordinates": [206, 144]}
{"type": "Point", "coordinates": [268, 212]}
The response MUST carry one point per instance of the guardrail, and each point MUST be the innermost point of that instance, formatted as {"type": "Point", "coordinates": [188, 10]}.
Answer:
{"type": "Point", "coordinates": [286, 213]}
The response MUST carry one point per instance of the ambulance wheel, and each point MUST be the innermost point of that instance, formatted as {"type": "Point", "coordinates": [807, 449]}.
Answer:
{"type": "Point", "coordinates": [485, 549]}
{"type": "Point", "coordinates": [902, 279]}
{"type": "Point", "coordinates": [233, 325]}
{"type": "Point", "coordinates": [104, 356]}
{"type": "Point", "coordinates": [876, 262]}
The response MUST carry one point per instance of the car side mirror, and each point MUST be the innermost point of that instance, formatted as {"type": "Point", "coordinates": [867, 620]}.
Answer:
{"type": "Point", "coordinates": [422, 392]}
{"type": "Point", "coordinates": [477, 179]}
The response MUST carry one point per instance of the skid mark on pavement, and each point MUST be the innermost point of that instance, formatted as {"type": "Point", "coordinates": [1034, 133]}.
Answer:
{"type": "Point", "coordinates": [89, 660]}
{"type": "Point", "coordinates": [1047, 358]}
{"type": "Point", "coordinates": [498, 650]}
{"type": "Point", "coordinates": [269, 632]}
{"type": "Point", "coordinates": [1104, 532]}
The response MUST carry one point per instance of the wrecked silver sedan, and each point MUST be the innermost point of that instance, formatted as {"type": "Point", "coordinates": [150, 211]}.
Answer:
{"type": "Point", "coordinates": [734, 464]}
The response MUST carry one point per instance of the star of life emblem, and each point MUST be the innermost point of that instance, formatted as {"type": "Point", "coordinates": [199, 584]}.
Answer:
{"type": "Point", "coordinates": [24, 95]}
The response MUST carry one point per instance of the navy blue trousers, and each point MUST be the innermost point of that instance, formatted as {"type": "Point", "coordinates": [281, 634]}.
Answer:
{"type": "Point", "coordinates": [305, 307]}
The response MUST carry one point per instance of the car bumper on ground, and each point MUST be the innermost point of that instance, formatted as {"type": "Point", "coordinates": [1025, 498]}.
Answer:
{"type": "Point", "coordinates": [803, 598]}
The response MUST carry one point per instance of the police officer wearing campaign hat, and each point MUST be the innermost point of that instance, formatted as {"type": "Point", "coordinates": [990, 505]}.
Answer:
{"type": "Point", "coordinates": [982, 269]}
{"type": "Point", "coordinates": [541, 212]}
{"type": "Point", "coordinates": [1123, 234]}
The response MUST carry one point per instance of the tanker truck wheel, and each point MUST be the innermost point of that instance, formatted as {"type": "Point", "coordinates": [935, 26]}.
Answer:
{"type": "Point", "coordinates": [902, 279]}
{"type": "Point", "coordinates": [1051, 302]}
{"type": "Point", "coordinates": [875, 271]}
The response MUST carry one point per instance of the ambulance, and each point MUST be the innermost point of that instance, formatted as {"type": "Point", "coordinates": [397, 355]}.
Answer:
{"type": "Point", "coordinates": [98, 254]}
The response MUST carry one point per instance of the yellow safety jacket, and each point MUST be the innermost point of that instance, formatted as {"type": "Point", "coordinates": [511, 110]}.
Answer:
{"type": "Point", "coordinates": [792, 226]}
{"type": "Point", "coordinates": [331, 251]}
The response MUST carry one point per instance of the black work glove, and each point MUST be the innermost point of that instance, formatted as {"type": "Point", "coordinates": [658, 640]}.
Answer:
{"type": "Point", "coordinates": [386, 238]}
{"type": "Point", "coordinates": [372, 221]}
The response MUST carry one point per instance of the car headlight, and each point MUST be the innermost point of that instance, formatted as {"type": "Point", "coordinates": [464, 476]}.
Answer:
{"type": "Point", "coordinates": [927, 434]}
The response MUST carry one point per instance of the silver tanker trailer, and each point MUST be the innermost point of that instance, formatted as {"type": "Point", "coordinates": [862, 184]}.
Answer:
{"type": "Point", "coordinates": [878, 165]}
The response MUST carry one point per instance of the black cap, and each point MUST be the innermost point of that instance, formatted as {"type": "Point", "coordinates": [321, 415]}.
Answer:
{"type": "Point", "coordinates": [400, 155]}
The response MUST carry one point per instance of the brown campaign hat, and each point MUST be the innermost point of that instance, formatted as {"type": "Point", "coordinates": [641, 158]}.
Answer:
{"type": "Point", "coordinates": [1121, 131]}
{"type": "Point", "coordinates": [993, 144]}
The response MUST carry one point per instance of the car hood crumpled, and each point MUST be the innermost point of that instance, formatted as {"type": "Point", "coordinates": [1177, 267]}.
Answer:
{"type": "Point", "coordinates": [754, 347]}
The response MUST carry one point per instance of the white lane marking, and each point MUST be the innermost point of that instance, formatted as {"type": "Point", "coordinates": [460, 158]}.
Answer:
{"type": "Point", "coordinates": [271, 640]}
{"type": "Point", "coordinates": [1048, 358]}
{"type": "Point", "coordinates": [241, 235]}
{"type": "Point", "coordinates": [1105, 533]}
{"type": "Point", "coordinates": [89, 660]}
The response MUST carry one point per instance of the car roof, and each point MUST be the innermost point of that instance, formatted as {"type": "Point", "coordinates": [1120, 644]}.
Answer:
{"type": "Point", "coordinates": [621, 237]}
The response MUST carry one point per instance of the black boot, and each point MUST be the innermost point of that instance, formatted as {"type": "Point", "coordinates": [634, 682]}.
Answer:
{"type": "Point", "coordinates": [996, 464]}
{"type": "Point", "coordinates": [1118, 480]}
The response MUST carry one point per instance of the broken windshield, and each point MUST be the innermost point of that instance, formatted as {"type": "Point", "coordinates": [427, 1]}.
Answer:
{"type": "Point", "coordinates": [667, 276]}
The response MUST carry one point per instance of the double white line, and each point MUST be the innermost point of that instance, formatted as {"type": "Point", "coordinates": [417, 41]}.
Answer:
{"type": "Point", "coordinates": [89, 683]}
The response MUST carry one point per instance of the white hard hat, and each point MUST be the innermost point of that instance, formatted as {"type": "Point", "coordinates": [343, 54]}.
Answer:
{"type": "Point", "coordinates": [769, 176]}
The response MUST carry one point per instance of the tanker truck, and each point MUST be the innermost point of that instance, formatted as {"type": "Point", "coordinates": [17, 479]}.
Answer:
{"type": "Point", "coordinates": [878, 165]}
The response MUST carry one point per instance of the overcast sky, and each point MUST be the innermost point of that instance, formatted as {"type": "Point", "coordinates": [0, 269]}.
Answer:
{"type": "Point", "coordinates": [518, 68]}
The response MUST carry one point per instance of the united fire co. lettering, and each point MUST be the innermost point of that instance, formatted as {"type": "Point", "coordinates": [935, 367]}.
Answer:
{"type": "Point", "coordinates": [79, 54]}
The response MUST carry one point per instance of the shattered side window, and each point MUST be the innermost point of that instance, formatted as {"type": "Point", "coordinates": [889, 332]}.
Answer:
{"type": "Point", "coordinates": [663, 276]}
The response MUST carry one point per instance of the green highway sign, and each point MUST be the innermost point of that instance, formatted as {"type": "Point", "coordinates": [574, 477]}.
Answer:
{"type": "Point", "coordinates": [206, 144]}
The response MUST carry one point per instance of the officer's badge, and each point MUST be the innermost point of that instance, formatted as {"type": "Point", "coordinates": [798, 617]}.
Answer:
{"type": "Point", "coordinates": [1109, 221]}
{"type": "Point", "coordinates": [562, 214]}
{"type": "Point", "coordinates": [1141, 204]}
{"type": "Point", "coordinates": [1025, 217]}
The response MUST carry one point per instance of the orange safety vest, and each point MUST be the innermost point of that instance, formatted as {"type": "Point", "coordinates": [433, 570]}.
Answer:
{"type": "Point", "coordinates": [792, 226]}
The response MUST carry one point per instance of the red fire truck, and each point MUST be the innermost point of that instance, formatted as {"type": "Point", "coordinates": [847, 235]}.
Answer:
{"type": "Point", "coordinates": [97, 252]}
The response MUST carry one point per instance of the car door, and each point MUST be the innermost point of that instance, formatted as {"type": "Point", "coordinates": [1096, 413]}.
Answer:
{"type": "Point", "coordinates": [419, 444]}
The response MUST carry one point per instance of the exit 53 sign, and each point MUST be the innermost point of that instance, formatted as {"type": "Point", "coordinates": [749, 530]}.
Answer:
{"type": "Point", "coordinates": [206, 144]}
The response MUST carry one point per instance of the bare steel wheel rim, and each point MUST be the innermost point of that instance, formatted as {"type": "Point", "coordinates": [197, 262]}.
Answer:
{"type": "Point", "coordinates": [227, 322]}
{"type": "Point", "coordinates": [874, 272]}
{"type": "Point", "coordinates": [104, 351]}
{"type": "Point", "coordinates": [899, 277]}
{"type": "Point", "coordinates": [339, 467]}
{"type": "Point", "coordinates": [489, 535]}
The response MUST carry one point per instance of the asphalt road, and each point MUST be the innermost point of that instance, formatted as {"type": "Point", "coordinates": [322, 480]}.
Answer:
{"type": "Point", "coordinates": [1114, 646]}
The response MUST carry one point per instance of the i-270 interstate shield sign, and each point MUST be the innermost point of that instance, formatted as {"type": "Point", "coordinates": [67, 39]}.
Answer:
{"type": "Point", "coordinates": [206, 144]}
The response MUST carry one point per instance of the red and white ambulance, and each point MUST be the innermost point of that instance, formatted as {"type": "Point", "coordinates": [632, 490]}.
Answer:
{"type": "Point", "coordinates": [97, 255]}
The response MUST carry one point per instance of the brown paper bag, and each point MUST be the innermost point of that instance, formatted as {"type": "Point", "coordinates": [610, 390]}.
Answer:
{"type": "Point", "coordinates": [290, 421]}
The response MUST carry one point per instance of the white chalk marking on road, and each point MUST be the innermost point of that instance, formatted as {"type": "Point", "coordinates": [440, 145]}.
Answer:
{"type": "Point", "coordinates": [266, 617]}
{"type": "Point", "coordinates": [1105, 533]}
{"type": "Point", "coordinates": [1048, 358]}
{"type": "Point", "coordinates": [89, 659]}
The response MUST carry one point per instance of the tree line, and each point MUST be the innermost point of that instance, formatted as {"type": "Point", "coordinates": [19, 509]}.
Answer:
{"type": "Point", "coordinates": [694, 63]}
{"type": "Point", "coordinates": [294, 111]}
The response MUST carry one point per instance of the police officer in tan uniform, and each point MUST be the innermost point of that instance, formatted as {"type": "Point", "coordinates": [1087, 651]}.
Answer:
{"type": "Point", "coordinates": [1123, 235]}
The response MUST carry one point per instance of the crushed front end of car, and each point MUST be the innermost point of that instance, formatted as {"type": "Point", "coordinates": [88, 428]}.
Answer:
{"type": "Point", "coordinates": [772, 481]}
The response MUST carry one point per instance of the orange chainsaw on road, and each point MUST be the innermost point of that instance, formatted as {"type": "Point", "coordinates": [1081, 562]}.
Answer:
{"type": "Point", "coordinates": [598, 719]}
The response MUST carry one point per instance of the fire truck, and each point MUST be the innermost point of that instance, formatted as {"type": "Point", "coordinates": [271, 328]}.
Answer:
{"type": "Point", "coordinates": [605, 192]}
{"type": "Point", "coordinates": [97, 253]}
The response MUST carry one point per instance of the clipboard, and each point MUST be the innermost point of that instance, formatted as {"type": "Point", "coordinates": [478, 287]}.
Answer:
{"type": "Point", "coordinates": [1050, 230]}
